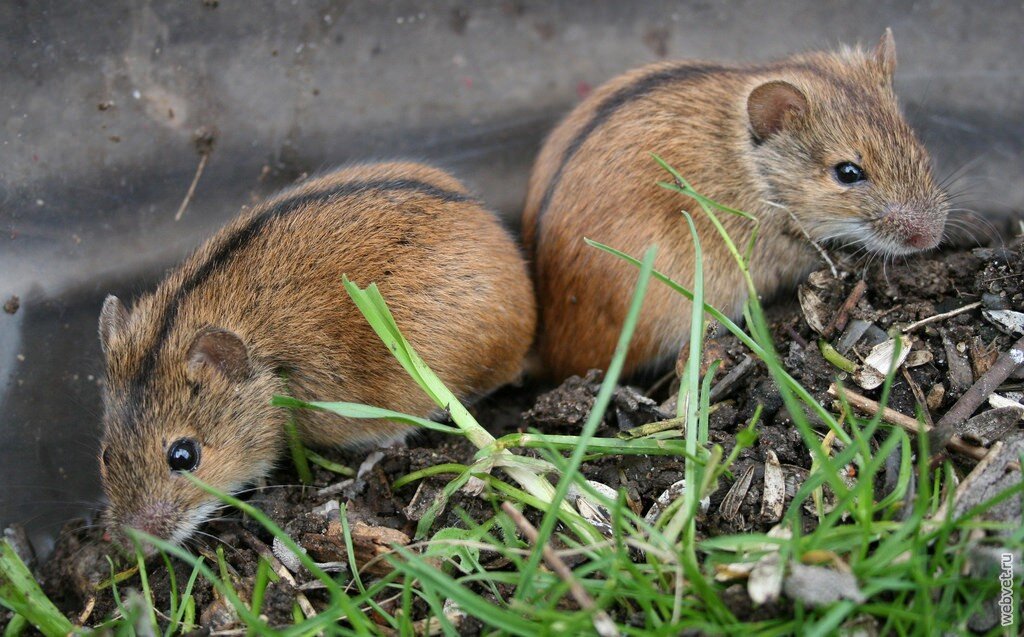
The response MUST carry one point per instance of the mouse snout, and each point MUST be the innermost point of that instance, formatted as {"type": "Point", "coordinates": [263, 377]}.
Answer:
{"type": "Point", "coordinates": [912, 227]}
{"type": "Point", "coordinates": [923, 240]}
{"type": "Point", "coordinates": [159, 519]}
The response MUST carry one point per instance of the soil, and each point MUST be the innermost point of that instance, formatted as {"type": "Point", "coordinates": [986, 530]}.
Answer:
{"type": "Point", "coordinates": [947, 357]}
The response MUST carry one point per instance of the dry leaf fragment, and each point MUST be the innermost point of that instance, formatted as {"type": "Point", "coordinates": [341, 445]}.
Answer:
{"type": "Point", "coordinates": [814, 309]}
{"type": "Point", "coordinates": [730, 506]}
{"type": "Point", "coordinates": [879, 362]}
{"type": "Point", "coordinates": [919, 357]}
{"type": "Point", "coordinates": [774, 497]}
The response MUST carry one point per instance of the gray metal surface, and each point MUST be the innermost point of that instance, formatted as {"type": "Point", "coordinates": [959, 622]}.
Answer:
{"type": "Point", "coordinates": [100, 102]}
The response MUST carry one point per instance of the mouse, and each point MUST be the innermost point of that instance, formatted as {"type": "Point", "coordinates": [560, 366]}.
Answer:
{"type": "Point", "coordinates": [814, 146]}
{"type": "Point", "coordinates": [260, 310]}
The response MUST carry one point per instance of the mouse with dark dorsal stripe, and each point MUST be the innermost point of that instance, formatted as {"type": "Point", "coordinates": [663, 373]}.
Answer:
{"type": "Point", "coordinates": [260, 310]}
{"type": "Point", "coordinates": [813, 145]}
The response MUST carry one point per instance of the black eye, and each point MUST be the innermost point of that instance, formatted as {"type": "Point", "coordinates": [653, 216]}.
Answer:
{"type": "Point", "coordinates": [183, 455]}
{"type": "Point", "coordinates": [848, 172]}
{"type": "Point", "coordinates": [105, 457]}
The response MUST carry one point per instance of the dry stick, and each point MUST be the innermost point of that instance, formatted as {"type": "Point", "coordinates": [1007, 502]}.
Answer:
{"type": "Point", "coordinates": [939, 317]}
{"type": "Point", "coordinates": [1008, 362]}
{"type": "Point", "coordinates": [192, 188]}
{"type": "Point", "coordinates": [891, 416]}
{"type": "Point", "coordinates": [602, 622]}
{"type": "Point", "coordinates": [838, 321]}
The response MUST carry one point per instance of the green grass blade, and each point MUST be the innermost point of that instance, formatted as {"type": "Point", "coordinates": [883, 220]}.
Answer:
{"type": "Point", "coordinates": [298, 451]}
{"type": "Point", "coordinates": [359, 622]}
{"type": "Point", "coordinates": [604, 395]}
{"type": "Point", "coordinates": [355, 410]}
{"type": "Point", "coordinates": [20, 593]}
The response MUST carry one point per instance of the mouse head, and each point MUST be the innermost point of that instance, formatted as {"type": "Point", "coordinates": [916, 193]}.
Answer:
{"type": "Point", "coordinates": [204, 408]}
{"type": "Point", "coordinates": [833, 148]}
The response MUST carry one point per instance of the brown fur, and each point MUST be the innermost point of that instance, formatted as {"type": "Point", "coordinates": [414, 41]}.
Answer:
{"type": "Point", "coordinates": [453, 278]}
{"type": "Point", "coordinates": [741, 148]}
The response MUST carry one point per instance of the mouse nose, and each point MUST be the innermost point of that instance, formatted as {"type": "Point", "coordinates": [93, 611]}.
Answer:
{"type": "Point", "coordinates": [914, 226]}
{"type": "Point", "coordinates": [923, 240]}
{"type": "Point", "coordinates": [158, 519]}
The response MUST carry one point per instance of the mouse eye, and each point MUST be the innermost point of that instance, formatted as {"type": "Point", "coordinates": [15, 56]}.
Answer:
{"type": "Point", "coordinates": [183, 455]}
{"type": "Point", "coordinates": [848, 172]}
{"type": "Point", "coordinates": [105, 457]}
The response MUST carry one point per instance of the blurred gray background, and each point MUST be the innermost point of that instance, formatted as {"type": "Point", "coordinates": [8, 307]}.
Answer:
{"type": "Point", "coordinates": [101, 101]}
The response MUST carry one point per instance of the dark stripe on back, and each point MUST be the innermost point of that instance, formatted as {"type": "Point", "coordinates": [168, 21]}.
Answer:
{"type": "Point", "coordinates": [609, 107]}
{"type": "Point", "coordinates": [658, 79]}
{"type": "Point", "coordinates": [230, 246]}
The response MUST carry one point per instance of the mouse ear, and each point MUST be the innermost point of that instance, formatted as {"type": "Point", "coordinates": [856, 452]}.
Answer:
{"type": "Point", "coordinates": [884, 55]}
{"type": "Point", "coordinates": [220, 350]}
{"type": "Point", "coordinates": [113, 319]}
{"type": "Point", "coordinates": [774, 106]}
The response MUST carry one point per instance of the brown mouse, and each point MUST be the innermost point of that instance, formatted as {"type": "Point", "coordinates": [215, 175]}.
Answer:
{"type": "Point", "coordinates": [260, 310]}
{"type": "Point", "coordinates": [817, 137]}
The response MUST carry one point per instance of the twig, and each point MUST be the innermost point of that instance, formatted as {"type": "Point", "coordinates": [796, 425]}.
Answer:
{"type": "Point", "coordinates": [203, 140]}
{"type": "Point", "coordinates": [838, 321]}
{"type": "Point", "coordinates": [602, 622]}
{"type": "Point", "coordinates": [793, 334]}
{"type": "Point", "coordinates": [817, 246]}
{"type": "Point", "coordinates": [192, 188]}
{"type": "Point", "coordinates": [939, 317]}
{"type": "Point", "coordinates": [870, 407]}
{"type": "Point", "coordinates": [1008, 362]}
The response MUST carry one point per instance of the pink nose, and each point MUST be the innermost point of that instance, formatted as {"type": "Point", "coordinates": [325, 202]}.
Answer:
{"type": "Point", "coordinates": [156, 518]}
{"type": "Point", "coordinates": [922, 240]}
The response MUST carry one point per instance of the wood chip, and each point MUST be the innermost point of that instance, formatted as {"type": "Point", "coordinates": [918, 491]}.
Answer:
{"type": "Point", "coordinates": [960, 376]}
{"type": "Point", "coordinates": [992, 425]}
{"type": "Point", "coordinates": [935, 396]}
{"type": "Point", "coordinates": [982, 356]}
